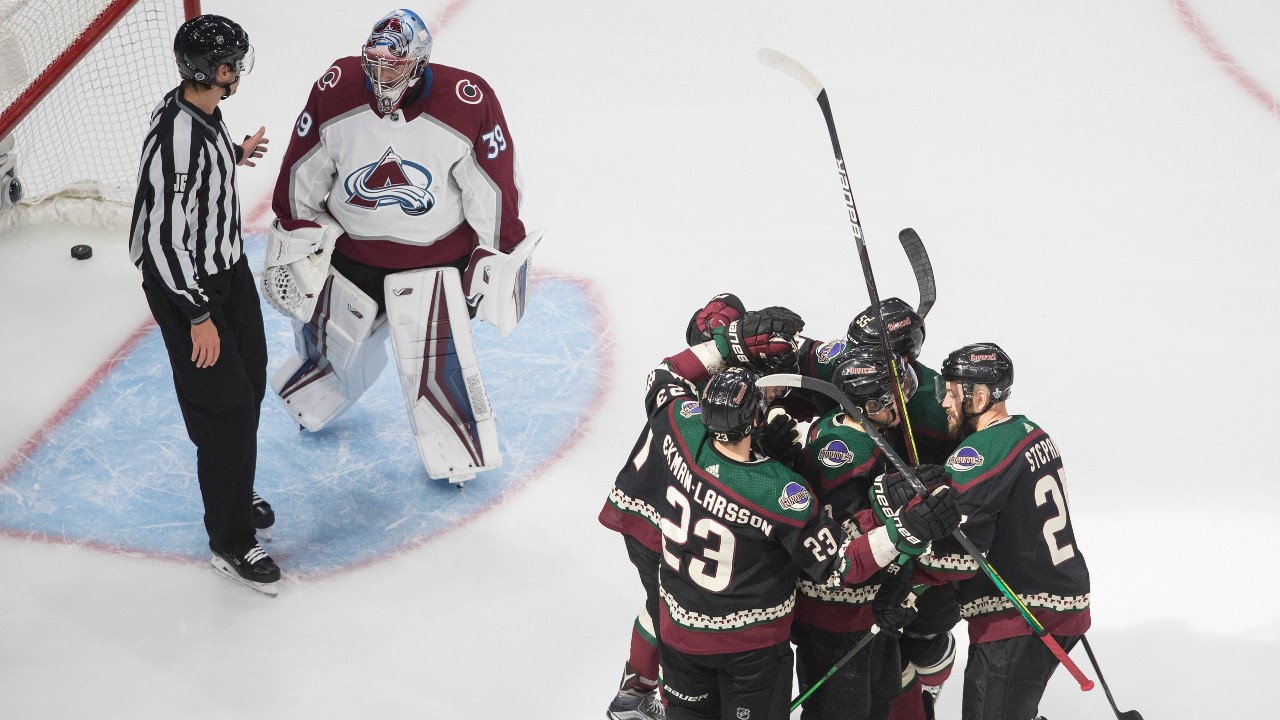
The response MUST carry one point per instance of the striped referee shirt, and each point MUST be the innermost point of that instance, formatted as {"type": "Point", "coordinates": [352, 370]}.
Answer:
{"type": "Point", "coordinates": [186, 215]}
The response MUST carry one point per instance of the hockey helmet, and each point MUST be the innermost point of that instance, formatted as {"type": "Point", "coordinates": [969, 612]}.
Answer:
{"type": "Point", "coordinates": [730, 404]}
{"type": "Point", "coordinates": [206, 42]}
{"type": "Point", "coordinates": [906, 327]}
{"type": "Point", "coordinates": [979, 363]}
{"type": "Point", "coordinates": [863, 374]}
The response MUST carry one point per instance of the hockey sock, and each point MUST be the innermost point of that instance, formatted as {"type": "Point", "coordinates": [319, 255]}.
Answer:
{"type": "Point", "coordinates": [644, 651]}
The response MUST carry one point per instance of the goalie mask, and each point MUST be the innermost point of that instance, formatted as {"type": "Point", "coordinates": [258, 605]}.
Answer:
{"type": "Point", "coordinates": [395, 56]}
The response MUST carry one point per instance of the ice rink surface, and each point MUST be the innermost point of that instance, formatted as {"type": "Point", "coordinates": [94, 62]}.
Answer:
{"type": "Point", "coordinates": [1098, 185]}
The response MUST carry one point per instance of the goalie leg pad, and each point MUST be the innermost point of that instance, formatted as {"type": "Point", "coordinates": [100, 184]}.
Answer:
{"type": "Point", "coordinates": [497, 282]}
{"type": "Point", "coordinates": [340, 353]}
{"type": "Point", "coordinates": [435, 352]}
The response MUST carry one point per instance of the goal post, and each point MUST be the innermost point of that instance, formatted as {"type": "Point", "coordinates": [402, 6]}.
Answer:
{"type": "Point", "coordinates": [78, 82]}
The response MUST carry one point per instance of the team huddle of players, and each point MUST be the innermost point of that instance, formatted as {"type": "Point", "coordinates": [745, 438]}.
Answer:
{"type": "Point", "coordinates": [749, 541]}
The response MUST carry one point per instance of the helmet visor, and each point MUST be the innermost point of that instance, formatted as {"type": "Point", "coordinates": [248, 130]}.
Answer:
{"type": "Point", "coordinates": [243, 65]}
{"type": "Point", "coordinates": [910, 383]}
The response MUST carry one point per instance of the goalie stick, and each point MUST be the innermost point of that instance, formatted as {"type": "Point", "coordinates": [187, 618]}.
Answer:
{"type": "Point", "coordinates": [788, 66]}
{"type": "Point", "coordinates": [831, 391]}
{"type": "Point", "coordinates": [923, 269]}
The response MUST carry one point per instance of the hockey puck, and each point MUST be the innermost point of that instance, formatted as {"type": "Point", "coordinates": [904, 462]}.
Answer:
{"type": "Point", "coordinates": [81, 252]}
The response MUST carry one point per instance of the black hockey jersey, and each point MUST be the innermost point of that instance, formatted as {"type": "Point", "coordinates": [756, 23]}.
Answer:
{"type": "Point", "coordinates": [632, 505]}
{"type": "Point", "coordinates": [1012, 493]}
{"type": "Point", "coordinates": [840, 463]}
{"type": "Point", "coordinates": [736, 535]}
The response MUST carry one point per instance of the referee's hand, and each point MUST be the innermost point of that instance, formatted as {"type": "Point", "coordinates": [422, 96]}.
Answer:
{"type": "Point", "coordinates": [255, 146]}
{"type": "Point", "coordinates": [205, 344]}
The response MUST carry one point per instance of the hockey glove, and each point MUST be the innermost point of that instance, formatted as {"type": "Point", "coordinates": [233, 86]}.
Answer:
{"type": "Point", "coordinates": [764, 340]}
{"type": "Point", "coordinates": [778, 438]}
{"type": "Point", "coordinates": [719, 312]}
{"type": "Point", "coordinates": [894, 605]}
{"type": "Point", "coordinates": [901, 492]}
{"type": "Point", "coordinates": [912, 529]}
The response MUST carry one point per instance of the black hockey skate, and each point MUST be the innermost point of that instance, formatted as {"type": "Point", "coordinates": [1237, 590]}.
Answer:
{"type": "Point", "coordinates": [634, 701]}
{"type": "Point", "coordinates": [253, 568]}
{"type": "Point", "coordinates": [263, 516]}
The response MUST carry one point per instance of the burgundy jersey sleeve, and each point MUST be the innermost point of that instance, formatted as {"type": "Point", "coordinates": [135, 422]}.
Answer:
{"type": "Point", "coordinates": [308, 169]}
{"type": "Point", "coordinates": [490, 181]}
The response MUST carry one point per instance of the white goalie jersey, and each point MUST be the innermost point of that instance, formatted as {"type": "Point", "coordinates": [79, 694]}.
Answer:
{"type": "Point", "coordinates": [418, 187]}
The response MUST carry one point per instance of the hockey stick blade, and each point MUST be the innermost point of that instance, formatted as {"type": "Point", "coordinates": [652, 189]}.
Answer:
{"type": "Point", "coordinates": [788, 66]}
{"type": "Point", "coordinates": [823, 387]}
{"type": "Point", "coordinates": [923, 269]}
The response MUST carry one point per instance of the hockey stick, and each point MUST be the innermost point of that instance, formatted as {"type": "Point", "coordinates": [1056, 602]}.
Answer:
{"type": "Point", "coordinates": [866, 640]}
{"type": "Point", "coordinates": [1127, 714]}
{"type": "Point", "coordinates": [923, 269]}
{"type": "Point", "coordinates": [831, 391]}
{"type": "Point", "coordinates": [788, 66]}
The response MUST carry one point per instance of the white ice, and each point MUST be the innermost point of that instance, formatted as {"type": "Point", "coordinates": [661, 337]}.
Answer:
{"type": "Point", "coordinates": [1098, 184]}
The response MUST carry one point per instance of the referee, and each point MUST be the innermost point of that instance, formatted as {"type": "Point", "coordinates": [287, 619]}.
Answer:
{"type": "Point", "coordinates": [185, 237]}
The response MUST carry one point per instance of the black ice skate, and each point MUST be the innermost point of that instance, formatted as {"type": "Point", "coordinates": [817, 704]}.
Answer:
{"type": "Point", "coordinates": [635, 700]}
{"type": "Point", "coordinates": [263, 516]}
{"type": "Point", "coordinates": [253, 568]}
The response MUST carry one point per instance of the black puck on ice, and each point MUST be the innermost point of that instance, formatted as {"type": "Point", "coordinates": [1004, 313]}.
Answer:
{"type": "Point", "coordinates": [81, 252]}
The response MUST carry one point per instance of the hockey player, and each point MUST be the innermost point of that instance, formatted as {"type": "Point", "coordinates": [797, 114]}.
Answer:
{"type": "Point", "coordinates": [632, 508]}
{"type": "Point", "coordinates": [841, 462]}
{"type": "Point", "coordinates": [738, 530]}
{"type": "Point", "coordinates": [926, 645]}
{"type": "Point", "coordinates": [186, 240]}
{"type": "Point", "coordinates": [398, 214]}
{"type": "Point", "coordinates": [1012, 490]}
{"type": "Point", "coordinates": [906, 338]}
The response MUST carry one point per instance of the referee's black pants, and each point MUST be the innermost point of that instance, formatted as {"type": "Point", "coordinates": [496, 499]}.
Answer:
{"type": "Point", "coordinates": [221, 403]}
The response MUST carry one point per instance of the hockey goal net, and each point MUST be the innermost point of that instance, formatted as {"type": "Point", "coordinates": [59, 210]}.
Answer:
{"type": "Point", "coordinates": [78, 82]}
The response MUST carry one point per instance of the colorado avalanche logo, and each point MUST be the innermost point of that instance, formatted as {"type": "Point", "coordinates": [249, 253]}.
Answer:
{"type": "Point", "coordinates": [391, 181]}
{"type": "Point", "coordinates": [689, 408]}
{"type": "Point", "coordinates": [829, 351]}
{"type": "Point", "coordinates": [468, 92]}
{"type": "Point", "coordinates": [794, 497]}
{"type": "Point", "coordinates": [392, 34]}
{"type": "Point", "coordinates": [965, 459]}
{"type": "Point", "coordinates": [835, 454]}
{"type": "Point", "coordinates": [330, 78]}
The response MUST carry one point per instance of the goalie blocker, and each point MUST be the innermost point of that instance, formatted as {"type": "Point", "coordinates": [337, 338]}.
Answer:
{"type": "Point", "coordinates": [341, 350]}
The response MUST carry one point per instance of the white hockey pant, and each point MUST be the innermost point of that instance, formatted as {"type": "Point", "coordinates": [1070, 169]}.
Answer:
{"type": "Point", "coordinates": [435, 352]}
{"type": "Point", "coordinates": [339, 353]}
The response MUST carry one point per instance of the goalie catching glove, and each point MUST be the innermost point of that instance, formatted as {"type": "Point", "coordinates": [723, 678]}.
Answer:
{"type": "Point", "coordinates": [297, 265]}
{"type": "Point", "coordinates": [913, 526]}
